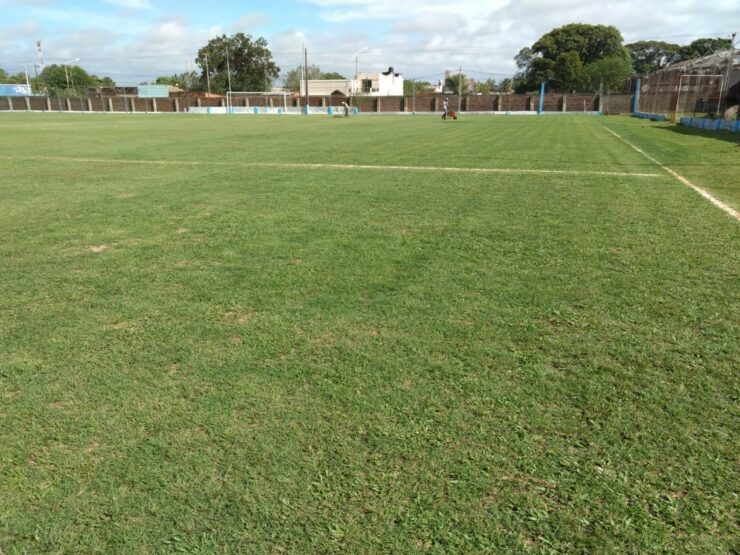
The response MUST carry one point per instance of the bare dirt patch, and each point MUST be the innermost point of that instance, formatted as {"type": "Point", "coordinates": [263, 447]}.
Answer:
{"type": "Point", "coordinates": [181, 230]}
{"type": "Point", "coordinates": [98, 248]}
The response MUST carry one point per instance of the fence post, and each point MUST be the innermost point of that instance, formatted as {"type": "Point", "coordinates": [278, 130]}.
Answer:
{"type": "Point", "coordinates": [636, 101]}
{"type": "Point", "coordinates": [542, 98]}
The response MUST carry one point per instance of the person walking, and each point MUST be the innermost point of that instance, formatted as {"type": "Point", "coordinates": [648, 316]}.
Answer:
{"type": "Point", "coordinates": [445, 107]}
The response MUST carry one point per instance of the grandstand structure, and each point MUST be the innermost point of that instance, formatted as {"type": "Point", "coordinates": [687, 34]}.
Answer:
{"type": "Point", "coordinates": [707, 86]}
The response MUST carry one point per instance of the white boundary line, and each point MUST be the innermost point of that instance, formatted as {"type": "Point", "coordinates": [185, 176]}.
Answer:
{"type": "Point", "coordinates": [718, 203]}
{"type": "Point", "coordinates": [327, 166]}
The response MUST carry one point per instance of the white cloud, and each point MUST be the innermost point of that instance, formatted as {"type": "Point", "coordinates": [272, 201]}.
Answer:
{"type": "Point", "coordinates": [131, 4]}
{"type": "Point", "coordinates": [248, 22]}
{"type": "Point", "coordinates": [420, 38]}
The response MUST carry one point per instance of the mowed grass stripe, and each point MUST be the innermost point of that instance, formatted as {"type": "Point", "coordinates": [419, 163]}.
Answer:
{"type": "Point", "coordinates": [321, 166]}
{"type": "Point", "coordinates": [198, 358]}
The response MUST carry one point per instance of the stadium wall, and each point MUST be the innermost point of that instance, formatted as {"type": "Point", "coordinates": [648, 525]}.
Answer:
{"type": "Point", "coordinates": [423, 103]}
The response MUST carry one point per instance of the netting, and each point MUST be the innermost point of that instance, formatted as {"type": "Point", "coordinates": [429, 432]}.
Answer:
{"type": "Point", "coordinates": [256, 102]}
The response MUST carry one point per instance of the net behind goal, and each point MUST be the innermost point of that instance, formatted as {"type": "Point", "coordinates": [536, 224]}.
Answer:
{"type": "Point", "coordinates": [245, 102]}
{"type": "Point", "coordinates": [699, 95]}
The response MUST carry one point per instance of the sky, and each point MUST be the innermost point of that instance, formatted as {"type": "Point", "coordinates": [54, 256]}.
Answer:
{"type": "Point", "coordinates": [133, 41]}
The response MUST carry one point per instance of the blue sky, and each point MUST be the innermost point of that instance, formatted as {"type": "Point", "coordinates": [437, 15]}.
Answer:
{"type": "Point", "coordinates": [137, 40]}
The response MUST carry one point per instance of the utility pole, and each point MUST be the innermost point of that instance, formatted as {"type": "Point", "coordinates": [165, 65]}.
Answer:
{"type": "Point", "coordinates": [459, 90]}
{"type": "Point", "coordinates": [305, 65]}
{"type": "Point", "coordinates": [208, 75]}
{"type": "Point", "coordinates": [413, 97]}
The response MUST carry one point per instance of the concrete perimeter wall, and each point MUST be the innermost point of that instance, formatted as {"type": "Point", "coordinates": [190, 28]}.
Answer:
{"type": "Point", "coordinates": [609, 104]}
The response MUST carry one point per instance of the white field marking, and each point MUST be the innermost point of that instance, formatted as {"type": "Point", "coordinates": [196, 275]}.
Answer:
{"type": "Point", "coordinates": [326, 166]}
{"type": "Point", "coordinates": [718, 203]}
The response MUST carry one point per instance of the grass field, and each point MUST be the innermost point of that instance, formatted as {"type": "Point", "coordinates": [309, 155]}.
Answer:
{"type": "Point", "coordinates": [209, 346]}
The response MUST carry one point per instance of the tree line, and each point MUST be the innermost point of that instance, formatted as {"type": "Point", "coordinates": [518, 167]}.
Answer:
{"type": "Point", "coordinates": [589, 57]}
{"type": "Point", "coordinates": [575, 57]}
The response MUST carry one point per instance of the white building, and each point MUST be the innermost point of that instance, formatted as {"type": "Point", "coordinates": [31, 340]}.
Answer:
{"type": "Point", "coordinates": [385, 83]}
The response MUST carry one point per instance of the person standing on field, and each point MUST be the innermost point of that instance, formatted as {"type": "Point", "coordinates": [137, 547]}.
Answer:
{"type": "Point", "coordinates": [445, 107]}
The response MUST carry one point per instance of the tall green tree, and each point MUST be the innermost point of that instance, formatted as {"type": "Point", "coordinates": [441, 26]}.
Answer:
{"type": "Point", "coordinates": [452, 83]}
{"type": "Point", "coordinates": [563, 57]}
{"type": "Point", "coordinates": [704, 47]}
{"type": "Point", "coordinates": [650, 55]}
{"type": "Point", "coordinates": [611, 72]}
{"type": "Point", "coordinates": [71, 80]}
{"type": "Point", "coordinates": [249, 61]}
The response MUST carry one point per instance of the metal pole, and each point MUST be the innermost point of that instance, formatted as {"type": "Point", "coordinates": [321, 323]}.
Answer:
{"type": "Point", "coordinates": [413, 101]}
{"type": "Point", "coordinates": [636, 107]}
{"type": "Point", "coordinates": [66, 74]}
{"type": "Point", "coordinates": [542, 98]}
{"type": "Point", "coordinates": [208, 75]}
{"type": "Point", "coordinates": [678, 96]}
{"type": "Point", "coordinates": [459, 90]}
{"type": "Point", "coordinates": [228, 67]}
{"type": "Point", "coordinates": [730, 60]}
{"type": "Point", "coordinates": [719, 102]}
{"type": "Point", "coordinates": [305, 65]}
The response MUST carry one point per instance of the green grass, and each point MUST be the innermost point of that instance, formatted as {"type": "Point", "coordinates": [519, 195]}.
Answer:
{"type": "Point", "coordinates": [267, 359]}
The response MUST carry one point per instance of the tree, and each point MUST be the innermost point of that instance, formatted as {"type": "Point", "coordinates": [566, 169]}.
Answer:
{"type": "Point", "coordinates": [411, 86]}
{"type": "Point", "coordinates": [249, 61]}
{"type": "Point", "coordinates": [611, 72]}
{"type": "Point", "coordinates": [485, 87]}
{"type": "Point", "coordinates": [66, 81]}
{"type": "Point", "coordinates": [704, 47]}
{"type": "Point", "coordinates": [292, 79]}
{"type": "Point", "coordinates": [650, 55]}
{"type": "Point", "coordinates": [563, 57]}
{"type": "Point", "coordinates": [506, 85]}
{"type": "Point", "coordinates": [332, 75]}
{"type": "Point", "coordinates": [452, 83]}
{"type": "Point", "coordinates": [568, 72]}
{"type": "Point", "coordinates": [189, 80]}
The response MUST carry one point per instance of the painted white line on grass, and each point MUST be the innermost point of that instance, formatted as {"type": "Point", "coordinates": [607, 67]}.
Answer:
{"type": "Point", "coordinates": [718, 203]}
{"type": "Point", "coordinates": [326, 166]}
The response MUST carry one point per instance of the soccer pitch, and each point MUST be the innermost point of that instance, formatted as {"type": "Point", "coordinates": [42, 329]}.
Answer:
{"type": "Point", "coordinates": [254, 334]}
